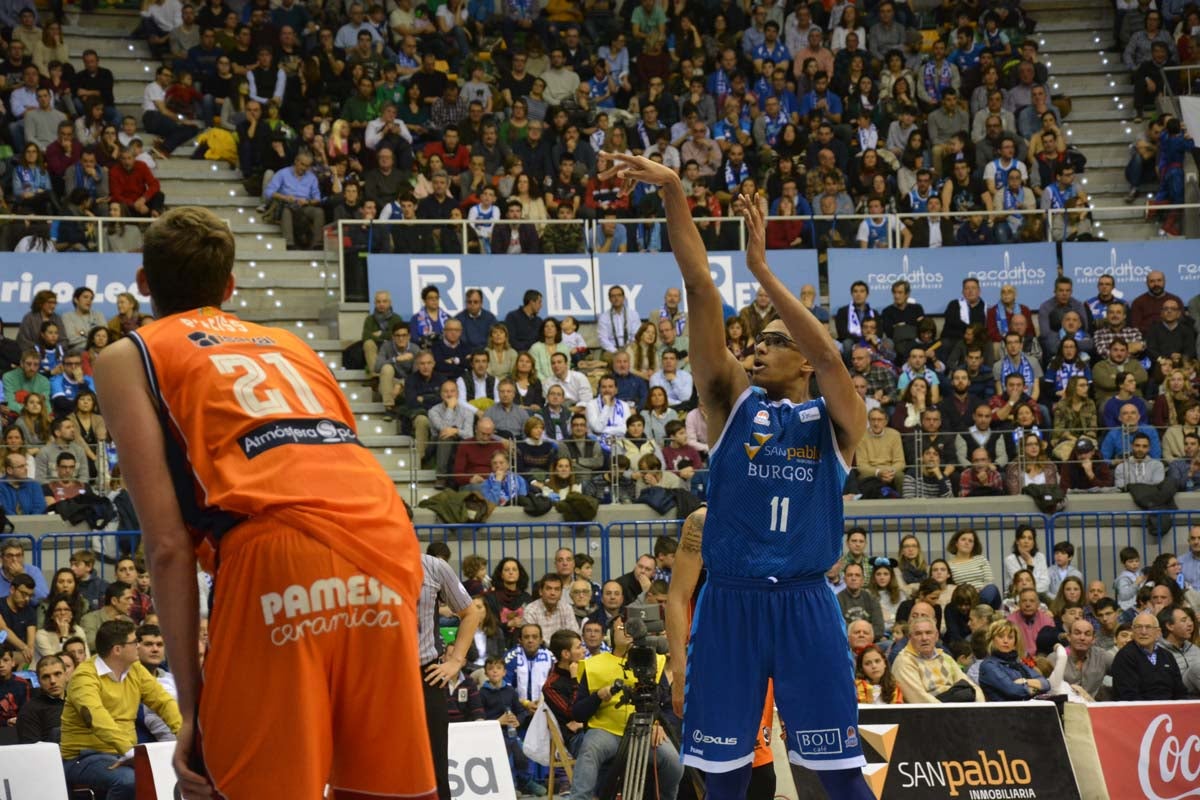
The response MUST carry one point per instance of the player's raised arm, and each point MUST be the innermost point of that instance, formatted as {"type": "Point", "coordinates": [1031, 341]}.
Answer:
{"type": "Point", "coordinates": [719, 377]}
{"type": "Point", "coordinates": [812, 337]}
{"type": "Point", "coordinates": [685, 574]}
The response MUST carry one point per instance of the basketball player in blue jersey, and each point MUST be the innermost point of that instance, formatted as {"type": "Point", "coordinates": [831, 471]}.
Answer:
{"type": "Point", "coordinates": [774, 525]}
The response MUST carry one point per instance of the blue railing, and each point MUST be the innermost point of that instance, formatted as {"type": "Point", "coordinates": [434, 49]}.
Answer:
{"type": "Point", "coordinates": [1098, 537]}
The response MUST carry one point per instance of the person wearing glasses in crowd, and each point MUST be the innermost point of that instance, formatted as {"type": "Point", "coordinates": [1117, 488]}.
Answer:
{"type": "Point", "coordinates": [98, 733]}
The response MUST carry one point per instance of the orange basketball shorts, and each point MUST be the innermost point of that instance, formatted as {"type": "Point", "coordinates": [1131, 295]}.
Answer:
{"type": "Point", "coordinates": [311, 677]}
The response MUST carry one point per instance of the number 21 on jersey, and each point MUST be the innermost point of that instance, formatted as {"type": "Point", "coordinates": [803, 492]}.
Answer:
{"type": "Point", "coordinates": [272, 401]}
{"type": "Point", "coordinates": [779, 513]}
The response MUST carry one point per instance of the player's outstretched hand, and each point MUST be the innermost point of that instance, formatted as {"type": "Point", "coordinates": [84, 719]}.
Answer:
{"type": "Point", "coordinates": [756, 232]}
{"type": "Point", "coordinates": [632, 169]}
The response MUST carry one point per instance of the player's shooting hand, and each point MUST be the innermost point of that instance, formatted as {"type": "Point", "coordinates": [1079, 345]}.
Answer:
{"type": "Point", "coordinates": [192, 785]}
{"type": "Point", "coordinates": [632, 169]}
{"type": "Point", "coordinates": [756, 234]}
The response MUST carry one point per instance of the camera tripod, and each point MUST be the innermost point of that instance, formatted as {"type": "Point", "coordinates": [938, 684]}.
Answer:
{"type": "Point", "coordinates": [634, 761]}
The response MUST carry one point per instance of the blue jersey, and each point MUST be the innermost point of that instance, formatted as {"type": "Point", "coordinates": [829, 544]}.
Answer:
{"type": "Point", "coordinates": [775, 491]}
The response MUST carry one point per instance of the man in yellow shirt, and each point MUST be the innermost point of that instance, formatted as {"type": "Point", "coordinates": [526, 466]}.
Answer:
{"type": "Point", "coordinates": [98, 720]}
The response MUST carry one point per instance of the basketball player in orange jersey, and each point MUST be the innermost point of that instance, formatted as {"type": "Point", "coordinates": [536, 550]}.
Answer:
{"type": "Point", "coordinates": [686, 573]}
{"type": "Point", "coordinates": [237, 434]}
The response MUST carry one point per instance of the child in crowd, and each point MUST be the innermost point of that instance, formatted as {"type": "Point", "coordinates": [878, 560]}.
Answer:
{"type": "Point", "coordinates": [51, 352]}
{"type": "Point", "coordinates": [573, 339]}
{"type": "Point", "coordinates": [501, 703]}
{"type": "Point", "coordinates": [14, 690]}
{"type": "Point", "coordinates": [128, 131]}
{"type": "Point", "coordinates": [1061, 569]}
{"type": "Point", "coordinates": [485, 210]}
{"type": "Point", "coordinates": [683, 459]}
{"type": "Point", "coordinates": [91, 586]}
{"type": "Point", "coordinates": [1127, 583]}
{"type": "Point", "coordinates": [463, 703]}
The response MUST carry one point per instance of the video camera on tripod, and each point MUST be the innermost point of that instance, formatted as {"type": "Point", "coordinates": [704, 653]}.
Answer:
{"type": "Point", "coordinates": [642, 661]}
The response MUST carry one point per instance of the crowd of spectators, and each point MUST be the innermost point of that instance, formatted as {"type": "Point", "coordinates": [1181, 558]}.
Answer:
{"type": "Point", "coordinates": [1075, 394]}
{"type": "Point", "coordinates": [920, 631]}
{"type": "Point", "coordinates": [487, 111]}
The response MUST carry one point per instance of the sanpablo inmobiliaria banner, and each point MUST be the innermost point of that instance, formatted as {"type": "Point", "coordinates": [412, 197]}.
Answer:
{"type": "Point", "coordinates": [1149, 750]}
{"type": "Point", "coordinates": [997, 751]}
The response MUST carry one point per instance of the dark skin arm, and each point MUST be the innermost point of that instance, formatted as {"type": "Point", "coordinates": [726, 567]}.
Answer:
{"type": "Point", "coordinates": [719, 378]}
{"type": "Point", "coordinates": [685, 574]}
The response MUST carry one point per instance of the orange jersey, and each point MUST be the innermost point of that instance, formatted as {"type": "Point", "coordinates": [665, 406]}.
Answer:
{"type": "Point", "coordinates": [257, 428]}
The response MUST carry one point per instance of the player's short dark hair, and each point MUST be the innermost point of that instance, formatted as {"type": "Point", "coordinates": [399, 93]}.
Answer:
{"type": "Point", "coordinates": [113, 633]}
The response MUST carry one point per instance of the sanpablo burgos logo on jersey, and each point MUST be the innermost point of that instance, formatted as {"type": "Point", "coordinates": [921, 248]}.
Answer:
{"type": "Point", "coordinates": [769, 468]}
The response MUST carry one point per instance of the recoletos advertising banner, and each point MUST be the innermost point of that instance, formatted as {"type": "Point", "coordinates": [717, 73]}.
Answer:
{"type": "Point", "coordinates": [936, 274]}
{"type": "Point", "coordinates": [575, 285]}
{"type": "Point", "coordinates": [23, 275]}
{"type": "Point", "coordinates": [963, 751]}
{"type": "Point", "coordinates": [1130, 262]}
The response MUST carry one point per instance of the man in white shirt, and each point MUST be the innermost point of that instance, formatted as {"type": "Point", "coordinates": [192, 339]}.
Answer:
{"type": "Point", "coordinates": [575, 385]}
{"type": "Point", "coordinates": [617, 326]}
{"type": "Point", "coordinates": [23, 98]}
{"type": "Point", "coordinates": [158, 119]}
{"type": "Point", "coordinates": [387, 129]}
{"type": "Point", "coordinates": [676, 383]}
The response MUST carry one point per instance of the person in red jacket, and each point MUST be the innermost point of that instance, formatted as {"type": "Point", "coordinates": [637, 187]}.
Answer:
{"type": "Point", "coordinates": [473, 459]}
{"type": "Point", "coordinates": [133, 185]}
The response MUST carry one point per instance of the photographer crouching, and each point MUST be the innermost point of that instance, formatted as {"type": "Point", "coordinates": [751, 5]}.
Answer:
{"type": "Point", "coordinates": [614, 688]}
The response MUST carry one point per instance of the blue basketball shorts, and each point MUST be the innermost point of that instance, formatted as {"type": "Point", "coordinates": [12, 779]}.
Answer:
{"type": "Point", "coordinates": [746, 631]}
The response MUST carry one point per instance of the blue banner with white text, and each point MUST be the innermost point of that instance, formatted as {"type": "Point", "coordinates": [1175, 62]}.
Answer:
{"type": "Point", "coordinates": [1130, 262]}
{"type": "Point", "coordinates": [570, 284]}
{"type": "Point", "coordinates": [936, 274]}
{"type": "Point", "coordinates": [23, 275]}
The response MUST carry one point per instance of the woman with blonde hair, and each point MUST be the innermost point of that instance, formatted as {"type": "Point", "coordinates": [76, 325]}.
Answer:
{"type": "Point", "coordinates": [501, 355]}
{"type": "Point", "coordinates": [1169, 406]}
{"type": "Point", "coordinates": [339, 140]}
{"type": "Point", "coordinates": [128, 317]}
{"type": "Point", "coordinates": [1003, 675]}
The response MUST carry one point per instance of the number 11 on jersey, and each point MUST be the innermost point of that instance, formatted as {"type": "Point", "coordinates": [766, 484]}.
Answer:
{"type": "Point", "coordinates": [779, 513]}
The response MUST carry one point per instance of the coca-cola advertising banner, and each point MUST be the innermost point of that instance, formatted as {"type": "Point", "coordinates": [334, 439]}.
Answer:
{"type": "Point", "coordinates": [996, 751]}
{"type": "Point", "coordinates": [1149, 750]}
